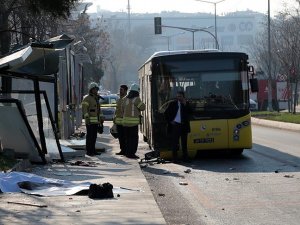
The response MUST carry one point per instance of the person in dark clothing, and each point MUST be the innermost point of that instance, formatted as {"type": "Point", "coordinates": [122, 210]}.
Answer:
{"type": "Point", "coordinates": [132, 107]}
{"type": "Point", "coordinates": [177, 116]}
{"type": "Point", "coordinates": [93, 116]}
{"type": "Point", "coordinates": [118, 119]}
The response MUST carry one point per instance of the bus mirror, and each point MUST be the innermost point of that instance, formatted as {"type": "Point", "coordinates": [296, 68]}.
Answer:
{"type": "Point", "coordinates": [254, 85]}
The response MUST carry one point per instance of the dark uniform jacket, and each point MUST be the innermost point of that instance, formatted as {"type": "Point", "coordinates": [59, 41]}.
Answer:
{"type": "Point", "coordinates": [171, 112]}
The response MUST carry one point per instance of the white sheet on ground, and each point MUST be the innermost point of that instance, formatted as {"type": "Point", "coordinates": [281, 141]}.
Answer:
{"type": "Point", "coordinates": [42, 186]}
{"type": "Point", "coordinates": [9, 182]}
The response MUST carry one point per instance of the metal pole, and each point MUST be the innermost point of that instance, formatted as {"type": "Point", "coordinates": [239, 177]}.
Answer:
{"type": "Point", "coordinates": [215, 5]}
{"type": "Point", "coordinates": [269, 61]}
{"type": "Point", "coordinates": [216, 25]}
{"type": "Point", "coordinates": [129, 20]}
{"type": "Point", "coordinates": [193, 39]}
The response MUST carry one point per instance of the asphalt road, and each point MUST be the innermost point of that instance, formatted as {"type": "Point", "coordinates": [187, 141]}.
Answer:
{"type": "Point", "coordinates": [260, 187]}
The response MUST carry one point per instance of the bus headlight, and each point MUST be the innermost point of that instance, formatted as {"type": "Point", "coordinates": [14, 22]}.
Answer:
{"type": "Point", "coordinates": [236, 134]}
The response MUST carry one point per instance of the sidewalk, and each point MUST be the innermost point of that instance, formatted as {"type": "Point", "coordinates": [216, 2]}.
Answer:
{"type": "Point", "coordinates": [133, 202]}
{"type": "Point", "coordinates": [275, 124]}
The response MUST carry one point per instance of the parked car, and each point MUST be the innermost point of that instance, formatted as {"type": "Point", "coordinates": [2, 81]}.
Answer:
{"type": "Point", "coordinates": [253, 105]}
{"type": "Point", "coordinates": [108, 105]}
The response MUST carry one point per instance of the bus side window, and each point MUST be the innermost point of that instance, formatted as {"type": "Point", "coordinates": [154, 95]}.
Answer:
{"type": "Point", "coordinates": [164, 88]}
{"type": "Point", "coordinates": [192, 91]}
{"type": "Point", "coordinates": [175, 90]}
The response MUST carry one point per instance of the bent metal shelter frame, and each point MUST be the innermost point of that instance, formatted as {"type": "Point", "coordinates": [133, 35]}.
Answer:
{"type": "Point", "coordinates": [18, 121]}
{"type": "Point", "coordinates": [37, 62]}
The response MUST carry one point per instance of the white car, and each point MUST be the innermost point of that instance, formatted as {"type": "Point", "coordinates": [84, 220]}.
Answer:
{"type": "Point", "coordinates": [108, 105]}
{"type": "Point", "coordinates": [253, 105]}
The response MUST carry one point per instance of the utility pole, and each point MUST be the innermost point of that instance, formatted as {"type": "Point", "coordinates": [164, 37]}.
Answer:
{"type": "Point", "coordinates": [270, 107]}
{"type": "Point", "coordinates": [129, 21]}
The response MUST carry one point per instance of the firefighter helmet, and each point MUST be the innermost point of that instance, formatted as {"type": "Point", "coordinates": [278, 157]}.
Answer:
{"type": "Point", "coordinates": [135, 87]}
{"type": "Point", "coordinates": [93, 85]}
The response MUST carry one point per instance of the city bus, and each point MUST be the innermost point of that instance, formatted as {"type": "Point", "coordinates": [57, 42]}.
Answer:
{"type": "Point", "coordinates": [217, 85]}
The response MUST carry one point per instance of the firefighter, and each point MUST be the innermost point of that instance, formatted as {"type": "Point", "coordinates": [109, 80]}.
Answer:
{"type": "Point", "coordinates": [119, 118]}
{"type": "Point", "coordinates": [132, 107]}
{"type": "Point", "coordinates": [93, 117]}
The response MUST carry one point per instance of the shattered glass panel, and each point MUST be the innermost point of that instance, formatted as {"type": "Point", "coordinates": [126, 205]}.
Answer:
{"type": "Point", "coordinates": [14, 133]}
{"type": "Point", "coordinates": [29, 105]}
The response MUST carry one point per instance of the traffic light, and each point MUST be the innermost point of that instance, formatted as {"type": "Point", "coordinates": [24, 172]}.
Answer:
{"type": "Point", "coordinates": [157, 25]}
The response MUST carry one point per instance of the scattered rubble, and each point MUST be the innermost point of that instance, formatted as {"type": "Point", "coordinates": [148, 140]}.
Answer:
{"type": "Point", "coordinates": [81, 163]}
{"type": "Point", "coordinates": [187, 171]}
{"type": "Point", "coordinates": [288, 176]}
{"type": "Point", "coordinates": [28, 204]}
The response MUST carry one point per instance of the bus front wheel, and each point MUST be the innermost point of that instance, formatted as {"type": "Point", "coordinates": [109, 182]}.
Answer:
{"type": "Point", "coordinates": [236, 151]}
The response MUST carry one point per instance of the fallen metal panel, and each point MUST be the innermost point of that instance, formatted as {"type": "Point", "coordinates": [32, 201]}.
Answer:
{"type": "Point", "coordinates": [15, 58]}
{"type": "Point", "coordinates": [16, 133]}
{"type": "Point", "coordinates": [42, 61]}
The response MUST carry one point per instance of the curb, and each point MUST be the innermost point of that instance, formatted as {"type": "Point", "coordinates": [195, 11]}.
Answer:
{"type": "Point", "coordinates": [275, 124]}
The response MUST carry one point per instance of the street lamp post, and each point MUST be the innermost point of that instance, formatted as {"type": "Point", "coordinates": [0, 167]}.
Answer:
{"type": "Point", "coordinates": [215, 5]}
{"type": "Point", "coordinates": [269, 61]}
{"type": "Point", "coordinates": [169, 37]}
{"type": "Point", "coordinates": [193, 30]}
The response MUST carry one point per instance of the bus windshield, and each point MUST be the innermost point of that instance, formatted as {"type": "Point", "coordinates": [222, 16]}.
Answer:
{"type": "Point", "coordinates": [211, 85]}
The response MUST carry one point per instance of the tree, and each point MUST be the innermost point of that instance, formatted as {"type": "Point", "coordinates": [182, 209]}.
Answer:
{"type": "Point", "coordinates": [19, 17]}
{"type": "Point", "coordinates": [287, 41]}
{"type": "Point", "coordinates": [128, 51]}
{"type": "Point", "coordinates": [285, 55]}
{"type": "Point", "coordinates": [96, 40]}
{"type": "Point", "coordinates": [261, 59]}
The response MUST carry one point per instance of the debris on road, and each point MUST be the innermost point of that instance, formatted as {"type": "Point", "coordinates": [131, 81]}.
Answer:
{"type": "Point", "coordinates": [166, 172]}
{"type": "Point", "coordinates": [143, 165]}
{"type": "Point", "coordinates": [101, 191]}
{"type": "Point", "coordinates": [28, 204]}
{"type": "Point", "coordinates": [81, 163]}
{"type": "Point", "coordinates": [187, 171]}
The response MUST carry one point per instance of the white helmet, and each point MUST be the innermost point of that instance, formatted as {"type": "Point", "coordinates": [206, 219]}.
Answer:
{"type": "Point", "coordinates": [135, 87]}
{"type": "Point", "coordinates": [93, 85]}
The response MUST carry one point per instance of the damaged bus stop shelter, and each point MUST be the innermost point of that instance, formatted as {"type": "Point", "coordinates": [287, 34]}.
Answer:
{"type": "Point", "coordinates": [27, 125]}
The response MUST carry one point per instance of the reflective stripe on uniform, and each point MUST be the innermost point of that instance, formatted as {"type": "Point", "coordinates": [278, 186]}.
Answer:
{"type": "Point", "coordinates": [85, 103]}
{"type": "Point", "coordinates": [93, 119]}
{"type": "Point", "coordinates": [118, 120]}
{"type": "Point", "coordinates": [139, 105]}
{"type": "Point", "coordinates": [131, 121]}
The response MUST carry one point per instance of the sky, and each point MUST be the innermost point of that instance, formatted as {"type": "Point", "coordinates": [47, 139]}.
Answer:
{"type": "Point", "coordinates": [190, 6]}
